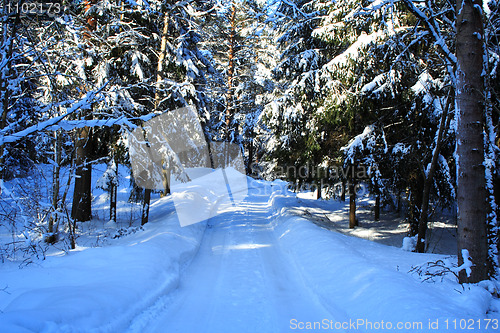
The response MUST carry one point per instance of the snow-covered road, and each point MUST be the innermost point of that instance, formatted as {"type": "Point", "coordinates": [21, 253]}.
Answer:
{"type": "Point", "coordinates": [240, 281]}
{"type": "Point", "coordinates": [255, 267]}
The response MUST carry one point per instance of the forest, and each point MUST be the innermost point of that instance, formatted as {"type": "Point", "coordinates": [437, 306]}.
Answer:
{"type": "Point", "coordinates": [397, 100]}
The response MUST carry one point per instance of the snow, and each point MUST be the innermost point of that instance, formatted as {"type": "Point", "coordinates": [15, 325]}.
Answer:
{"type": "Point", "coordinates": [99, 288]}
{"type": "Point", "coordinates": [466, 266]}
{"type": "Point", "coordinates": [376, 82]}
{"type": "Point", "coordinates": [210, 193]}
{"type": "Point", "coordinates": [353, 51]}
{"type": "Point", "coordinates": [410, 243]}
{"type": "Point", "coordinates": [356, 144]}
{"type": "Point", "coordinates": [254, 267]}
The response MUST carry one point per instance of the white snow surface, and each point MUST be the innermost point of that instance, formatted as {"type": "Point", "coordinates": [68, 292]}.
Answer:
{"type": "Point", "coordinates": [255, 267]}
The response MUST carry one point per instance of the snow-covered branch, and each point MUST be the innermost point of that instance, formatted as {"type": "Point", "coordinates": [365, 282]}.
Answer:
{"type": "Point", "coordinates": [434, 29]}
{"type": "Point", "coordinates": [84, 103]}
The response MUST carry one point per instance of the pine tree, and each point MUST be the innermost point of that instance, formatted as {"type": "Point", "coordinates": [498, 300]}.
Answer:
{"type": "Point", "coordinates": [152, 75]}
{"type": "Point", "coordinates": [82, 195]}
{"type": "Point", "coordinates": [290, 115]}
{"type": "Point", "coordinates": [384, 75]}
{"type": "Point", "coordinates": [235, 43]}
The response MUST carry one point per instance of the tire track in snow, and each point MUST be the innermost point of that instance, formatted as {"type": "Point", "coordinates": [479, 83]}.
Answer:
{"type": "Point", "coordinates": [239, 281]}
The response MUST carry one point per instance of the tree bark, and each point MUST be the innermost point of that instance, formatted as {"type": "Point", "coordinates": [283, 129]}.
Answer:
{"type": "Point", "coordinates": [166, 181]}
{"type": "Point", "coordinates": [91, 25]}
{"type": "Point", "coordinates": [344, 188]}
{"type": "Point", "coordinates": [230, 74]}
{"type": "Point", "coordinates": [161, 60]}
{"type": "Point", "coordinates": [377, 208]}
{"type": "Point", "coordinates": [5, 92]}
{"type": "Point", "coordinates": [56, 182]}
{"type": "Point", "coordinates": [400, 201]}
{"type": "Point", "coordinates": [145, 206]}
{"type": "Point", "coordinates": [250, 147]}
{"type": "Point", "coordinates": [415, 202]}
{"type": "Point", "coordinates": [82, 197]}
{"type": "Point", "coordinates": [159, 80]}
{"type": "Point", "coordinates": [113, 192]}
{"type": "Point", "coordinates": [353, 222]}
{"type": "Point", "coordinates": [471, 181]}
{"type": "Point", "coordinates": [112, 202]}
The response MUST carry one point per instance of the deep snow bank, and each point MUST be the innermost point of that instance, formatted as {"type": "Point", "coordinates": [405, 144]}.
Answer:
{"type": "Point", "coordinates": [368, 283]}
{"type": "Point", "coordinates": [100, 289]}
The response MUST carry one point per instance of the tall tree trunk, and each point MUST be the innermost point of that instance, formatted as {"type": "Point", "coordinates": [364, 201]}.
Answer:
{"type": "Point", "coordinates": [471, 182]}
{"type": "Point", "coordinates": [415, 202]}
{"type": "Point", "coordinates": [344, 189]}
{"type": "Point", "coordinates": [161, 60]}
{"type": "Point", "coordinates": [91, 25]}
{"type": "Point", "coordinates": [113, 192]}
{"type": "Point", "coordinates": [145, 206]}
{"type": "Point", "coordinates": [146, 199]}
{"type": "Point", "coordinates": [377, 208]}
{"type": "Point", "coordinates": [112, 202]}
{"type": "Point", "coordinates": [165, 180]}
{"type": "Point", "coordinates": [159, 80]}
{"type": "Point", "coordinates": [5, 92]}
{"type": "Point", "coordinates": [56, 182]}
{"type": "Point", "coordinates": [82, 196]}
{"type": "Point", "coordinates": [52, 236]}
{"type": "Point", "coordinates": [353, 222]}
{"type": "Point", "coordinates": [424, 210]}
{"type": "Point", "coordinates": [400, 201]}
{"type": "Point", "coordinates": [250, 155]}
{"type": "Point", "coordinates": [230, 74]}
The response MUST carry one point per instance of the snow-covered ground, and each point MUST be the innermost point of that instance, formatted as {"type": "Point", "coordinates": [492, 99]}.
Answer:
{"type": "Point", "coordinates": [391, 229]}
{"type": "Point", "coordinates": [255, 267]}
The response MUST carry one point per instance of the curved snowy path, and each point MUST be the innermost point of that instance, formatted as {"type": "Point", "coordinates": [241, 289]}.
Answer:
{"type": "Point", "coordinates": [240, 280]}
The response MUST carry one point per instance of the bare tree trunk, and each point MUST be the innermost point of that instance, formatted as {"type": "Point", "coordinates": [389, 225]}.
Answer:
{"type": "Point", "coordinates": [5, 80]}
{"type": "Point", "coordinates": [400, 201]}
{"type": "Point", "coordinates": [415, 202]}
{"type": "Point", "coordinates": [377, 208]}
{"type": "Point", "coordinates": [56, 182]}
{"type": "Point", "coordinates": [52, 236]}
{"type": "Point", "coordinates": [159, 80]}
{"type": "Point", "coordinates": [113, 193]}
{"type": "Point", "coordinates": [471, 182]}
{"type": "Point", "coordinates": [353, 222]}
{"type": "Point", "coordinates": [166, 181]}
{"type": "Point", "coordinates": [250, 155]}
{"type": "Point", "coordinates": [344, 188]}
{"type": "Point", "coordinates": [230, 74]}
{"type": "Point", "coordinates": [424, 210]}
{"type": "Point", "coordinates": [161, 60]}
{"type": "Point", "coordinates": [146, 201]}
{"type": "Point", "coordinates": [82, 196]}
{"type": "Point", "coordinates": [145, 206]}
{"type": "Point", "coordinates": [112, 202]}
